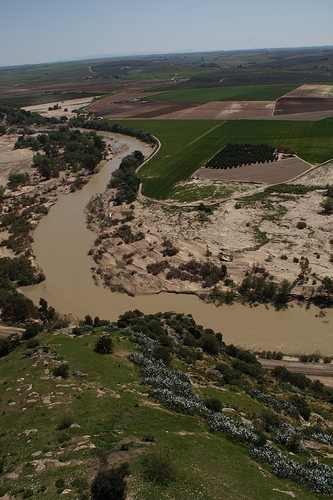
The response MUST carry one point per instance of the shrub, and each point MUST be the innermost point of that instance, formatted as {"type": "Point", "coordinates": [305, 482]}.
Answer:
{"type": "Point", "coordinates": [80, 484]}
{"type": "Point", "coordinates": [302, 406]}
{"type": "Point", "coordinates": [254, 370]}
{"type": "Point", "coordinates": [148, 438]}
{"type": "Point", "coordinates": [104, 345]}
{"type": "Point", "coordinates": [157, 267]}
{"type": "Point", "coordinates": [61, 371]}
{"type": "Point", "coordinates": [297, 379]}
{"type": "Point", "coordinates": [162, 353]}
{"type": "Point", "coordinates": [169, 249]}
{"type": "Point", "coordinates": [4, 347]}
{"type": "Point", "coordinates": [32, 344]}
{"type": "Point", "coordinates": [301, 224]}
{"type": "Point", "coordinates": [158, 468]}
{"type": "Point", "coordinates": [271, 420]}
{"type": "Point", "coordinates": [327, 206]}
{"type": "Point", "coordinates": [59, 485]}
{"type": "Point", "coordinates": [279, 405]}
{"type": "Point", "coordinates": [32, 331]}
{"type": "Point", "coordinates": [230, 375]}
{"type": "Point", "coordinates": [213, 404]}
{"type": "Point", "coordinates": [18, 179]}
{"type": "Point", "coordinates": [65, 423]}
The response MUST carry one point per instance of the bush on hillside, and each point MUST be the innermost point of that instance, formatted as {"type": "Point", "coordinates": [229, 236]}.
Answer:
{"type": "Point", "coordinates": [104, 345]}
{"type": "Point", "coordinates": [210, 344]}
{"type": "Point", "coordinates": [61, 371]}
{"type": "Point", "coordinates": [213, 404]}
{"type": "Point", "coordinates": [32, 330]}
{"type": "Point", "coordinates": [159, 468]}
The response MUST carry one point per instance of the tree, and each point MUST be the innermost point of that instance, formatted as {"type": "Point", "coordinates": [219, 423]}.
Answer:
{"type": "Point", "coordinates": [17, 308]}
{"type": "Point", "coordinates": [210, 344]}
{"type": "Point", "coordinates": [88, 320]}
{"type": "Point", "coordinates": [46, 166]}
{"type": "Point", "coordinates": [46, 312]}
{"type": "Point", "coordinates": [283, 294]}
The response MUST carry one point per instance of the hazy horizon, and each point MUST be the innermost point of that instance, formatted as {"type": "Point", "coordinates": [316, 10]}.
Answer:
{"type": "Point", "coordinates": [91, 57]}
{"type": "Point", "coordinates": [77, 30]}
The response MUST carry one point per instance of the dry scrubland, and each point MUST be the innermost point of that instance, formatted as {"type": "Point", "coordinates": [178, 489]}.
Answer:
{"type": "Point", "coordinates": [12, 160]}
{"type": "Point", "coordinates": [247, 229]}
{"type": "Point", "coordinates": [61, 108]}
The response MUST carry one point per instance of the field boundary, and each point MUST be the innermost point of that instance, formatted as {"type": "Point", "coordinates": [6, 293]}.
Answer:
{"type": "Point", "coordinates": [150, 157]}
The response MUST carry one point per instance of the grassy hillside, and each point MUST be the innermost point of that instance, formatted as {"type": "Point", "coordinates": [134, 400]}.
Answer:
{"type": "Point", "coordinates": [56, 432]}
{"type": "Point", "coordinates": [187, 144]}
{"type": "Point", "coordinates": [234, 93]}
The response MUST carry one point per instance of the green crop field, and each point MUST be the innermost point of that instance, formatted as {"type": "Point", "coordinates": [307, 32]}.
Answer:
{"type": "Point", "coordinates": [239, 93]}
{"type": "Point", "coordinates": [187, 144]}
{"type": "Point", "coordinates": [312, 141]}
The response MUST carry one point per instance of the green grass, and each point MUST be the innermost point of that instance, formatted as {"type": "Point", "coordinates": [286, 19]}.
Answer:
{"type": "Point", "coordinates": [188, 144]}
{"type": "Point", "coordinates": [234, 93]}
{"type": "Point", "coordinates": [208, 466]}
{"type": "Point", "coordinates": [194, 192]}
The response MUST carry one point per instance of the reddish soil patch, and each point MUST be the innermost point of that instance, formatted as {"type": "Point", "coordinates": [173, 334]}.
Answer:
{"type": "Point", "coordinates": [293, 105]}
{"type": "Point", "coordinates": [308, 98]}
{"type": "Point", "coordinates": [130, 103]}
{"type": "Point", "coordinates": [225, 110]}
{"type": "Point", "coordinates": [267, 173]}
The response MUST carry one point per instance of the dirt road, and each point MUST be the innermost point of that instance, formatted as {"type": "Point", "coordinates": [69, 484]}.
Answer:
{"type": "Point", "coordinates": [315, 371]}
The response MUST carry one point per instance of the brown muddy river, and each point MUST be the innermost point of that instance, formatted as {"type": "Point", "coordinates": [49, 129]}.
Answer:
{"type": "Point", "coordinates": [62, 242]}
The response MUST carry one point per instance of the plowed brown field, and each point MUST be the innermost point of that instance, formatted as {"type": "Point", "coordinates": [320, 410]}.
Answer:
{"type": "Point", "coordinates": [267, 173]}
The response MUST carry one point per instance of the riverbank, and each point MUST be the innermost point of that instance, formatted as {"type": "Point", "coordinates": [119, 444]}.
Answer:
{"type": "Point", "coordinates": [61, 245]}
{"type": "Point", "coordinates": [278, 234]}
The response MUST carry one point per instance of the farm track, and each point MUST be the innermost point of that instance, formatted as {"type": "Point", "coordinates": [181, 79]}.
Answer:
{"type": "Point", "coordinates": [313, 370]}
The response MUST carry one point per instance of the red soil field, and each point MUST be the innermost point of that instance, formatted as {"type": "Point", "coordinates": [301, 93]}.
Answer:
{"type": "Point", "coordinates": [308, 98]}
{"type": "Point", "coordinates": [293, 105]}
{"type": "Point", "coordinates": [266, 173]}
{"type": "Point", "coordinates": [130, 103]}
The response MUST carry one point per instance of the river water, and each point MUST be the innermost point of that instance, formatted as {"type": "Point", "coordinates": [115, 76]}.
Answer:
{"type": "Point", "coordinates": [61, 245]}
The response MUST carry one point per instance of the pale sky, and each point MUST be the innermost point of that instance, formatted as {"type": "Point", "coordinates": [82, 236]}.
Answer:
{"type": "Point", "coordinates": [33, 31]}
